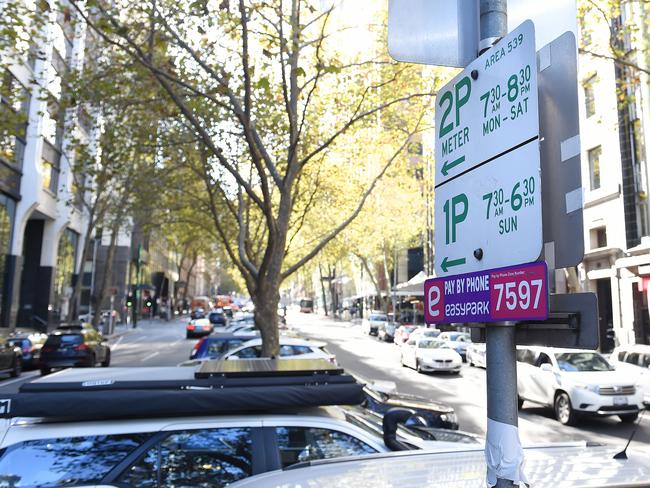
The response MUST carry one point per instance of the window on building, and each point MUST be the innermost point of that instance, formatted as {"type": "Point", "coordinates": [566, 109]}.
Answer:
{"type": "Point", "coordinates": [590, 99]}
{"type": "Point", "coordinates": [50, 164]}
{"type": "Point", "coordinates": [598, 237]}
{"type": "Point", "coordinates": [594, 167]}
{"type": "Point", "coordinates": [14, 111]}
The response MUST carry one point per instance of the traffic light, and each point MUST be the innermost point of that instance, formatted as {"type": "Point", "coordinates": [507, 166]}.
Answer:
{"type": "Point", "coordinates": [148, 303]}
{"type": "Point", "coordinates": [129, 301]}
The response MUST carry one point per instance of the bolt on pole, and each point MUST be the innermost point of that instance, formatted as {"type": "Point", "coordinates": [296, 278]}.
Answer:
{"type": "Point", "coordinates": [503, 453]}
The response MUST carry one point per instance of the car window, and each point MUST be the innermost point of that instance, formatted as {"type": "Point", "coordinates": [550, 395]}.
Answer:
{"type": "Point", "coordinates": [381, 318]}
{"type": "Point", "coordinates": [219, 347]}
{"type": "Point", "coordinates": [251, 352]}
{"type": "Point", "coordinates": [645, 360]}
{"type": "Point", "coordinates": [299, 444]}
{"type": "Point", "coordinates": [64, 340]}
{"type": "Point", "coordinates": [214, 458]}
{"type": "Point", "coordinates": [430, 344]}
{"type": "Point", "coordinates": [22, 343]}
{"type": "Point", "coordinates": [632, 358]}
{"type": "Point", "coordinates": [543, 358]}
{"type": "Point", "coordinates": [582, 361]}
{"type": "Point", "coordinates": [65, 461]}
{"type": "Point", "coordinates": [298, 350]}
{"type": "Point", "coordinates": [526, 356]}
{"type": "Point", "coordinates": [411, 342]}
{"type": "Point", "coordinates": [621, 356]}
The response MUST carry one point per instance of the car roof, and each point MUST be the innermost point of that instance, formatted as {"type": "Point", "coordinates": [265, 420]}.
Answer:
{"type": "Point", "coordinates": [548, 467]}
{"type": "Point", "coordinates": [556, 350]}
{"type": "Point", "coordinates": [284, 341]}
{"type": "Point", "coordinates": [634, 347]}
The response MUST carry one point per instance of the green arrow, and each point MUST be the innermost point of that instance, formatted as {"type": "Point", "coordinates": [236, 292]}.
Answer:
{"type": "Point", "coordinates": [446, 166]}
{"type": "Point", "coordinates": [446, 264]}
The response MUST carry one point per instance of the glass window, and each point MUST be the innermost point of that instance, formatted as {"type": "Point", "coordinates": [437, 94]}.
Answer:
{"type": "Point", "coordinates": [632, 358]}
{"type": "Point", "coordinates": [526, 356]}
{"type": "Point", "coordinates": [645, 360]}
{"type": "Point", "coordinates": [594, 167]}
{"type": "Point", "coordinates": [582, 361]}
{"type": "Point", "coordinates": [249, 352]}
{"type": "Point", "coordinates": [65, 461]}
{"type": "Point", "coordinates": [299, 444]}
{"type": "Point", "coordinates": [214, 458]}
{"type": "Point", "coordinates": [64, 339]}
{"type": "Point", "coordinates": [590, 99]}
{"type": "Point", "coordinates": [14, 108]}
{"type": "Point", "coordinates": [543, 358]}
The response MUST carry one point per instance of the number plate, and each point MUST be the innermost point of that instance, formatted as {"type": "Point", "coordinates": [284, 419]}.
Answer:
{"type": "Point", "coordinates": [620, 401]}
{"type": "Point", "coordinates": [512, 293]}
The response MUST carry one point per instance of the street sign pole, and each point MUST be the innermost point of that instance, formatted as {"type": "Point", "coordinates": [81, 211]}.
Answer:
{"type": "Point", "coordinates": [503, 452]}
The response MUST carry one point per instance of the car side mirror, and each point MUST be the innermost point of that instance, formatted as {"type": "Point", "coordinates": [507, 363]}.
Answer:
{"type": "Point", "coordinates": [546, 367]}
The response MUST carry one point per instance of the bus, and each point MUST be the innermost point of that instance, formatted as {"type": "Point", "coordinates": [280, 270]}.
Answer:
{"type": "Point", "coordinates": [307, 305]}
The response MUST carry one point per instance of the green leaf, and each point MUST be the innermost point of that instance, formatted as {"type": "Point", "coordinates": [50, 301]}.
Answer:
{"type": "Point", "coordinates": [300, 71]}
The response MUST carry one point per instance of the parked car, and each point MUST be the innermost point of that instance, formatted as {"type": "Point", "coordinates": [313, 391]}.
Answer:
{"type": "Point", "coordinates": [289, 347]}
{"type": "Point", "coordinates": [403, 332]}
{"type": "Point", "coordinates": [214, 437]}
{"type": "Point", "coordinates": [634, 359]}
{"type": "Point", "coordinates": [422, 332]}
{"type": "Point", "coordinates": [430, 355]}
{"type": "Point", "coordinates": [458, 341]}
{"type": "Point", "coordinates": [11, 358]}
{"type": "Point", "coordinates": [218, 317]}
{"type": "Point", "coordinates": [371, 324]}
{"type": "Point", "coordinates": [387, 331]}
{"type": "Point", "coordinates": [476, 355]}
{"type": "Point", "coordinates": [579, 465]}
{"type": "Point", "coordinates": [214, 346]}
{"type": "Point", "coordinates": [74, 347]}
{"type": "Point", "coordinates": [198, 328]}
{"type": "Point", "coordinates": [30, 344]}
{"type": "Point", "coordinates": [381, 396]}
{"type": "Point", "coordinates": [228, 311]}
{"type": "Point", "coordinates": [574, 383]}
{"type": "Point", "coordinates": [197, 313]}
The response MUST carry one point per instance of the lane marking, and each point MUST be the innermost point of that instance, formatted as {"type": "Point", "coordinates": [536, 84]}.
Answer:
{"type": "Point", "coordinates": [22, 377]}
{"type": "Point", "coordinates": [117, 343]}
{"type": "Point", "coordinates": [152, 355]}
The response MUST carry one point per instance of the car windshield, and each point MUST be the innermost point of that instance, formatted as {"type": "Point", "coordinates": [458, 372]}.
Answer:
{"type": "Point", "coordinates": [432, 345]}
{"type": "Point", "coordinates": [380, 318]}
{"type": "Point", "coordinates": [456, 337]}
{"type": "Point", "coordinates": [65, 339]}
{"type": "Point", "coordinates": [582, 361]}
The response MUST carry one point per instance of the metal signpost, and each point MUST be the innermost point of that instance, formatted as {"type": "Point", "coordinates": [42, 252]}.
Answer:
{"type": "Point", "coordinates": [492, 242]}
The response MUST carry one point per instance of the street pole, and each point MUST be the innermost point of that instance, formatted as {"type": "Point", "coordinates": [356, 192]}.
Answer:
{"type": "Point", "coordinates": [503, 452]}
{"type": "Point", "coordinates": [92, 279]}
{"type": "Point", "coordinates": [136, 309]}
{"type": "Point", "coordinates": [395, 284]}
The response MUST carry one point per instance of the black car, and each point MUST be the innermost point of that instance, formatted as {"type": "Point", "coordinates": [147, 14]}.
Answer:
{"type": "Point", "coordinates": [428, 413]}
{"type": "Point", "coordinates": [218, 318]}
{"type": "Point", "coordinates": [30, 345]}
{"type": "Point", "coordinates": [197, 313]}
{"type": "Point", "coordinates": [11, 358]}
{"type": "Point", "coordinates": [74, 347]}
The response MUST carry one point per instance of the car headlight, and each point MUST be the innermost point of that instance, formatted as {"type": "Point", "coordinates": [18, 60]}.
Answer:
{"type": "Point", "coordinates": [592, 388]}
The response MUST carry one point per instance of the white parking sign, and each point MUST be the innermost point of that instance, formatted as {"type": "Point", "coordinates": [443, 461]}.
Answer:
{"type": "Point", "coordinates": [488, 197]}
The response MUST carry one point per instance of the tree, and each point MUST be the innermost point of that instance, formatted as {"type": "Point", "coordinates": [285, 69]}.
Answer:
{"type": "Point", "coordinates": [267, 94]}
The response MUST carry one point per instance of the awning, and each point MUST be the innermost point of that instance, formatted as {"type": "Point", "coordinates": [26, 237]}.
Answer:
{"type": "Point", "coordinates": [414, 286]}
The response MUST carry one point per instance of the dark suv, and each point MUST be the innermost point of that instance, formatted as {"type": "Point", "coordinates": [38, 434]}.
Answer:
{"type": "Point", "coordinates": [30, 344]}
{"type": "Point", "coordinates": [218, 317]}
{"type": "Point", "coordinates": [74, 347]}
{"type": "Point", "coordinates": [11, 358]}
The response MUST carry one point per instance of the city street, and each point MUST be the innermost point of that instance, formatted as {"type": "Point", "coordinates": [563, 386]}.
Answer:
{"type": "Point", "coordinates": [159, 343]}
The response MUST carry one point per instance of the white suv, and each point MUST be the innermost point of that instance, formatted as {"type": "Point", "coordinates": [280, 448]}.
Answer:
{"type": "Point", "coordinates": [635, 360]}
{"type": "Point", "coordinates": [575, 382]}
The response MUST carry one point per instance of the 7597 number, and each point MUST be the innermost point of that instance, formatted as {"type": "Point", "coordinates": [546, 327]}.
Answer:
{"type": "Point", "coordinates": [519, 295]}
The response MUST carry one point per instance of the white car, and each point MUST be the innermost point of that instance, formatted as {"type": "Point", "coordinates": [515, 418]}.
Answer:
{"type": "Point", "coordinates": [427, 354]}
{"type": "Point", "coordinates": [476, 355]}
{"type": "Point", "coordinates": [177, 434]}
{"type": "Point", "coordinates": [371, 324]}
{"type": "Point", "coordinates": [425, 332]}
{"type": "Point", "coordinates": [289, 347]}
{"type": "Point", "coordinates": [458, 341]}
{"type": "Point", "coordinates": [575, 382]}
{"type": "Point", "coordinates": [635, 360]}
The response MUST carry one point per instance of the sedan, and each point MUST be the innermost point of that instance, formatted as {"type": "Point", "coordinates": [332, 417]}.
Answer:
{"type": "Point", "coordinates": [403, 332]}
{"type": "Point", "coordinates": [30, 344]}
{"type": "Point", "coordinates": [198, 328]}
{"type": "Point", "coordinates": [218, 317]}
{"type": "Point", "coordinates": [11, 358]}
{"type": "Point", "coordinates": [216, 345]}
{"type": "Point", "coordinates": [458, 341]}
{"type": "Point", "coordinates": [289, 348]}
{"type": "Point", "coordinates": [372, 324]}
{"type": "Point", "coordinates": [476, 355]}
{"type": "Point", "coordinates": [430, 355]}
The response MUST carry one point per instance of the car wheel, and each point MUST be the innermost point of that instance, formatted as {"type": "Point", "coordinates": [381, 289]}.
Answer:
{"type": "Point", "coordinates": [18, 367]}
{"type": "Point", "coordinates": [107, 361]}
{"type": "Point", "coordinates": [187, 336]}
{"type": "Point", "coordinates": [629, 418]}
{"type": "Point", "coordinates": [93, 361]}
{"type": "Point", "coordinates": [564, 412]}
{"type": "Point", "coordinates": [401, 360]}
{"type": "Point", "coordinates": [45, 371]}
{"type": "Point", "coordinates": [470, 362]}
{"type": "Point", "coordinates": [418, 368]}
{"type": "Point", "coordinates": [520, 402]}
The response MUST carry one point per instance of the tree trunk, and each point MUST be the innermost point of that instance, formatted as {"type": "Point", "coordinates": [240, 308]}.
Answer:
{"type": "Point", "coordinates": [189, 275]}
{"type": "Point", "coordinates": [387, 281]}
{"type": "Point", "coordinates": [76, 291]}
{"type": "Point", "coordinates": [322, 285]}
{"type": "Point", "coordinates": [366, 266]}
{"type": "Point", "coordinates": [108, 271]}
{"type": "Point", "coordinates": [266, 302]}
